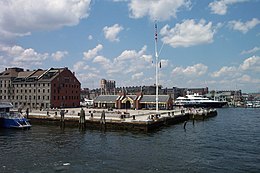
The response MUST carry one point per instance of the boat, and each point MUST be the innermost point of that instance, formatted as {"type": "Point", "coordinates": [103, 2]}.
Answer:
{"type": "Point", "coordinates": [12, 119]}
{"type": "Point", "coordinates": [197, 100]}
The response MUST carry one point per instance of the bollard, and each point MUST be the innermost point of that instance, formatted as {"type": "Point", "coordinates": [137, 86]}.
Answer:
{"type": "Point", "coordinates": [184, 125]}
{"type": "Point", "coordinates": [82, 120]}
{"type": "Point", "coordinates": [133, 117]}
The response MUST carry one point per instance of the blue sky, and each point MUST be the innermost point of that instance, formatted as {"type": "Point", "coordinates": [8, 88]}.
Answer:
{"type": "Point", "coordinates": [213, 43]}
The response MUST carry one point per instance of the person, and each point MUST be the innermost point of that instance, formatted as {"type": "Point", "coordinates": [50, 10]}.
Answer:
{"type": "Point", "coordinates": [27, 112]}
{"type": "Point", "coordinates": [103, 118]}
{"type": "Point", "coordinates": [62, 115]}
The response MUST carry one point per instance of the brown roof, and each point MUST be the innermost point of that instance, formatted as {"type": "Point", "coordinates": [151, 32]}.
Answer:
{"type": "Point", "coordinates": [10, 72]}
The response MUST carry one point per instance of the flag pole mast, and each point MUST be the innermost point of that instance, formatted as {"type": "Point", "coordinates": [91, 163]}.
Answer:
{"type": "Point", "coordinates": [156, 67]}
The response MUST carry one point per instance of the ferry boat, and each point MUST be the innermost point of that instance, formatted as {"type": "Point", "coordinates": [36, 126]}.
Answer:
{"type": "Point", "coordinates": [197, 100]}
{"type": "Point", "coordinates": [11, 119]}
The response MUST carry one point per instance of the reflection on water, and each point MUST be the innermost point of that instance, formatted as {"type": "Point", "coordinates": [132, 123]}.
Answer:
{"type": "Point", "coordinates": [228, 142]}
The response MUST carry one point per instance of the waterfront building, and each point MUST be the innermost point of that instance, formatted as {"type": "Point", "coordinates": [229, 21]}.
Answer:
{"type": "Point", "coordinates": [233, 97]}
{"type": "Point", "coordinates": [38, 89]}
{"type": "Point", "coordinates": [138, 101]}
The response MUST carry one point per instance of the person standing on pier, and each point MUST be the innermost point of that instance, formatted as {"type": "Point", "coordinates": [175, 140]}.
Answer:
{"type": "Point", "coordinates": [103, 118]}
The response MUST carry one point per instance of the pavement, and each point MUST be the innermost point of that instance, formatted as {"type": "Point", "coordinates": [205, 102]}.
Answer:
{"type": "Point", "coordinates": [112, 115]}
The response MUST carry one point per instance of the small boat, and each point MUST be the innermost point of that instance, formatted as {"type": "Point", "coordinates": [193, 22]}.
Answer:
{"type": "Point", "coordinates": [197, 100]}
{"type": "Point", "coordinates": [12, 119]}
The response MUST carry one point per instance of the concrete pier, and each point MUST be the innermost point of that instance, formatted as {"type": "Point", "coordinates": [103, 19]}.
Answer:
{"type": "Point", "coordinates": [137, 120]}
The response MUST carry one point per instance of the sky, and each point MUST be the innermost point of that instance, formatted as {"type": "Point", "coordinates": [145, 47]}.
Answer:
{"type": "Point", "coordinates": [209, 43]}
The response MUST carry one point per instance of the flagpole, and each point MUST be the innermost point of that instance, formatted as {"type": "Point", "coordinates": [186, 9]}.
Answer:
{"type": "Point", "coordinates": [156, 68]}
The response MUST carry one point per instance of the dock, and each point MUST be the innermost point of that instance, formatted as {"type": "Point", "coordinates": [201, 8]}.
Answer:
{"type": "Point", "coordinates": [137, 120]}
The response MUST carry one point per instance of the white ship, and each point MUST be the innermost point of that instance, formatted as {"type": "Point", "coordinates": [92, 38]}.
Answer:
{"type": "Point", "coordinates": [197, 100]}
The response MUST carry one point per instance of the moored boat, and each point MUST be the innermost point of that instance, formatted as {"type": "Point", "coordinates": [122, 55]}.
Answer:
{"type": "Point", "coordinates": [12, 119]}
{"type": "Point", "coordinates": [196, 100]}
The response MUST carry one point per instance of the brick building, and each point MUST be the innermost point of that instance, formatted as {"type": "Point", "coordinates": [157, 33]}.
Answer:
{"type": "Point", "coordinates": [138, 101]}
{"type": "Point", "coordinates": [52, 88]}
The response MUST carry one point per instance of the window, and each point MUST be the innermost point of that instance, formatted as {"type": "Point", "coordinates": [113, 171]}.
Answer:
{"type": "Point", "coordinates": [39, 97]}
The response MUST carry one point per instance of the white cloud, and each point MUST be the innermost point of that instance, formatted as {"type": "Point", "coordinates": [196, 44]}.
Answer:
{"type": "Point", "coordinates": [243, 27]}
{"type": "Point", "coordinates": [224, 71]}
{"type": "Point", "coordinates": [81, 65]}
{"type": "Point", "coordinates": [19, 56]}
{"type": "Point", "coordinates": [59, 55]}
{"type": "Point", "coordinates": [248, 79]}
{"type": "Point", "coordinates": [255, 49]}
{"type": "Point", "coordinates": [102, 61]}
{"type": "Point", "coordinates": [220, 7]}
{"type": "Point", "coordinates": [252, 63]}
{"type": "Point", "coordinates": [90, 37]}
{"type": "Point", "coordinates": [131, 54]}
{"type": "Point", "coordinates": [188, 33]}
{"type": "Point", "coordinates": [245, 75]}
{"type": "Point", "coordinates": [156, 9]}
{"type": "Point", "coordinates": [21, 17]}
{"type": "Point", "coordinates": [191, 71]}
{"type": "Point", "coordinates": [111, 33]}
{"type": "Point", "coordinates": [92, 52]}
{"type": "Point", "coordinates": [137, 76]}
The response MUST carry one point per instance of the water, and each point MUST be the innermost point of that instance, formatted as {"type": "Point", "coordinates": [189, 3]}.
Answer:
{"type": "Point", "coordinates": [229, 142]}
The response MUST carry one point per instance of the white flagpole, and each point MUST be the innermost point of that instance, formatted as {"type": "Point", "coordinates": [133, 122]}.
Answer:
{"type": "Point", "coordinates": [156, 68]}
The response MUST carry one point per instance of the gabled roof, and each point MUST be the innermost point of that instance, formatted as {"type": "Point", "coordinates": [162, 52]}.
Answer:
{"type": "Point", "coordinates": [152, 98]}
{"type": "Point", "coordinates": [106, 98]}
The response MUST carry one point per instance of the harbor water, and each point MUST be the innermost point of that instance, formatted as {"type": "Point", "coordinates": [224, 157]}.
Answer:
{"type": "Point", "coordinates": [229, 142]}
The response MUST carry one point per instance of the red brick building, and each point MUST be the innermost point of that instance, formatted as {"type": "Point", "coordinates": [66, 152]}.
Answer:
{"type": "Point", "coordinates": [40, 89]}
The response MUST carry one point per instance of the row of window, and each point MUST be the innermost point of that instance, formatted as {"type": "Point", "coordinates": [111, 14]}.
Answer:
{"type": "Point", "coordinates": [66, 91]}
{"type": "Point", "coordinates": [66, 85]}
{"type": "Point", "coordinates": [25, 91]}
{"type": "Point", "coordinates": [24, 85]}
{"type": "Point", "coordinates": [30, 98]}
{"type": "Point", "coordinates": [65, 97]}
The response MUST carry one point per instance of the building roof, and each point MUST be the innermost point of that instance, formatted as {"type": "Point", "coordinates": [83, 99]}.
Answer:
{"type": "Point", "coordinates": [11, 72]}
{"type": "Point", "coordinates": [106, 98]}
{"type": "Point", "coordinates": [144, 99]}
{"type": "Point", "coordinates": [152, 98]}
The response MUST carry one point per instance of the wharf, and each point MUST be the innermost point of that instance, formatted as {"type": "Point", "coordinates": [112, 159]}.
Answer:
{"type": "Point", "coordinates": [137, 120]}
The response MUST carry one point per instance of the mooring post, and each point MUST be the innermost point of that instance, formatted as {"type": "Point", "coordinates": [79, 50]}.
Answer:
{"type": "Point", "coordinates": [184, 125]}
{"type": "Point", "coordinates": [82, 119]}
{"type": "Point", "coordinates": [62, 120]}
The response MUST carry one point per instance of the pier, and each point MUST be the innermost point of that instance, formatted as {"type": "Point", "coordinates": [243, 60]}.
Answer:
{"type": "Point", "coordinates": [136, 120]}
